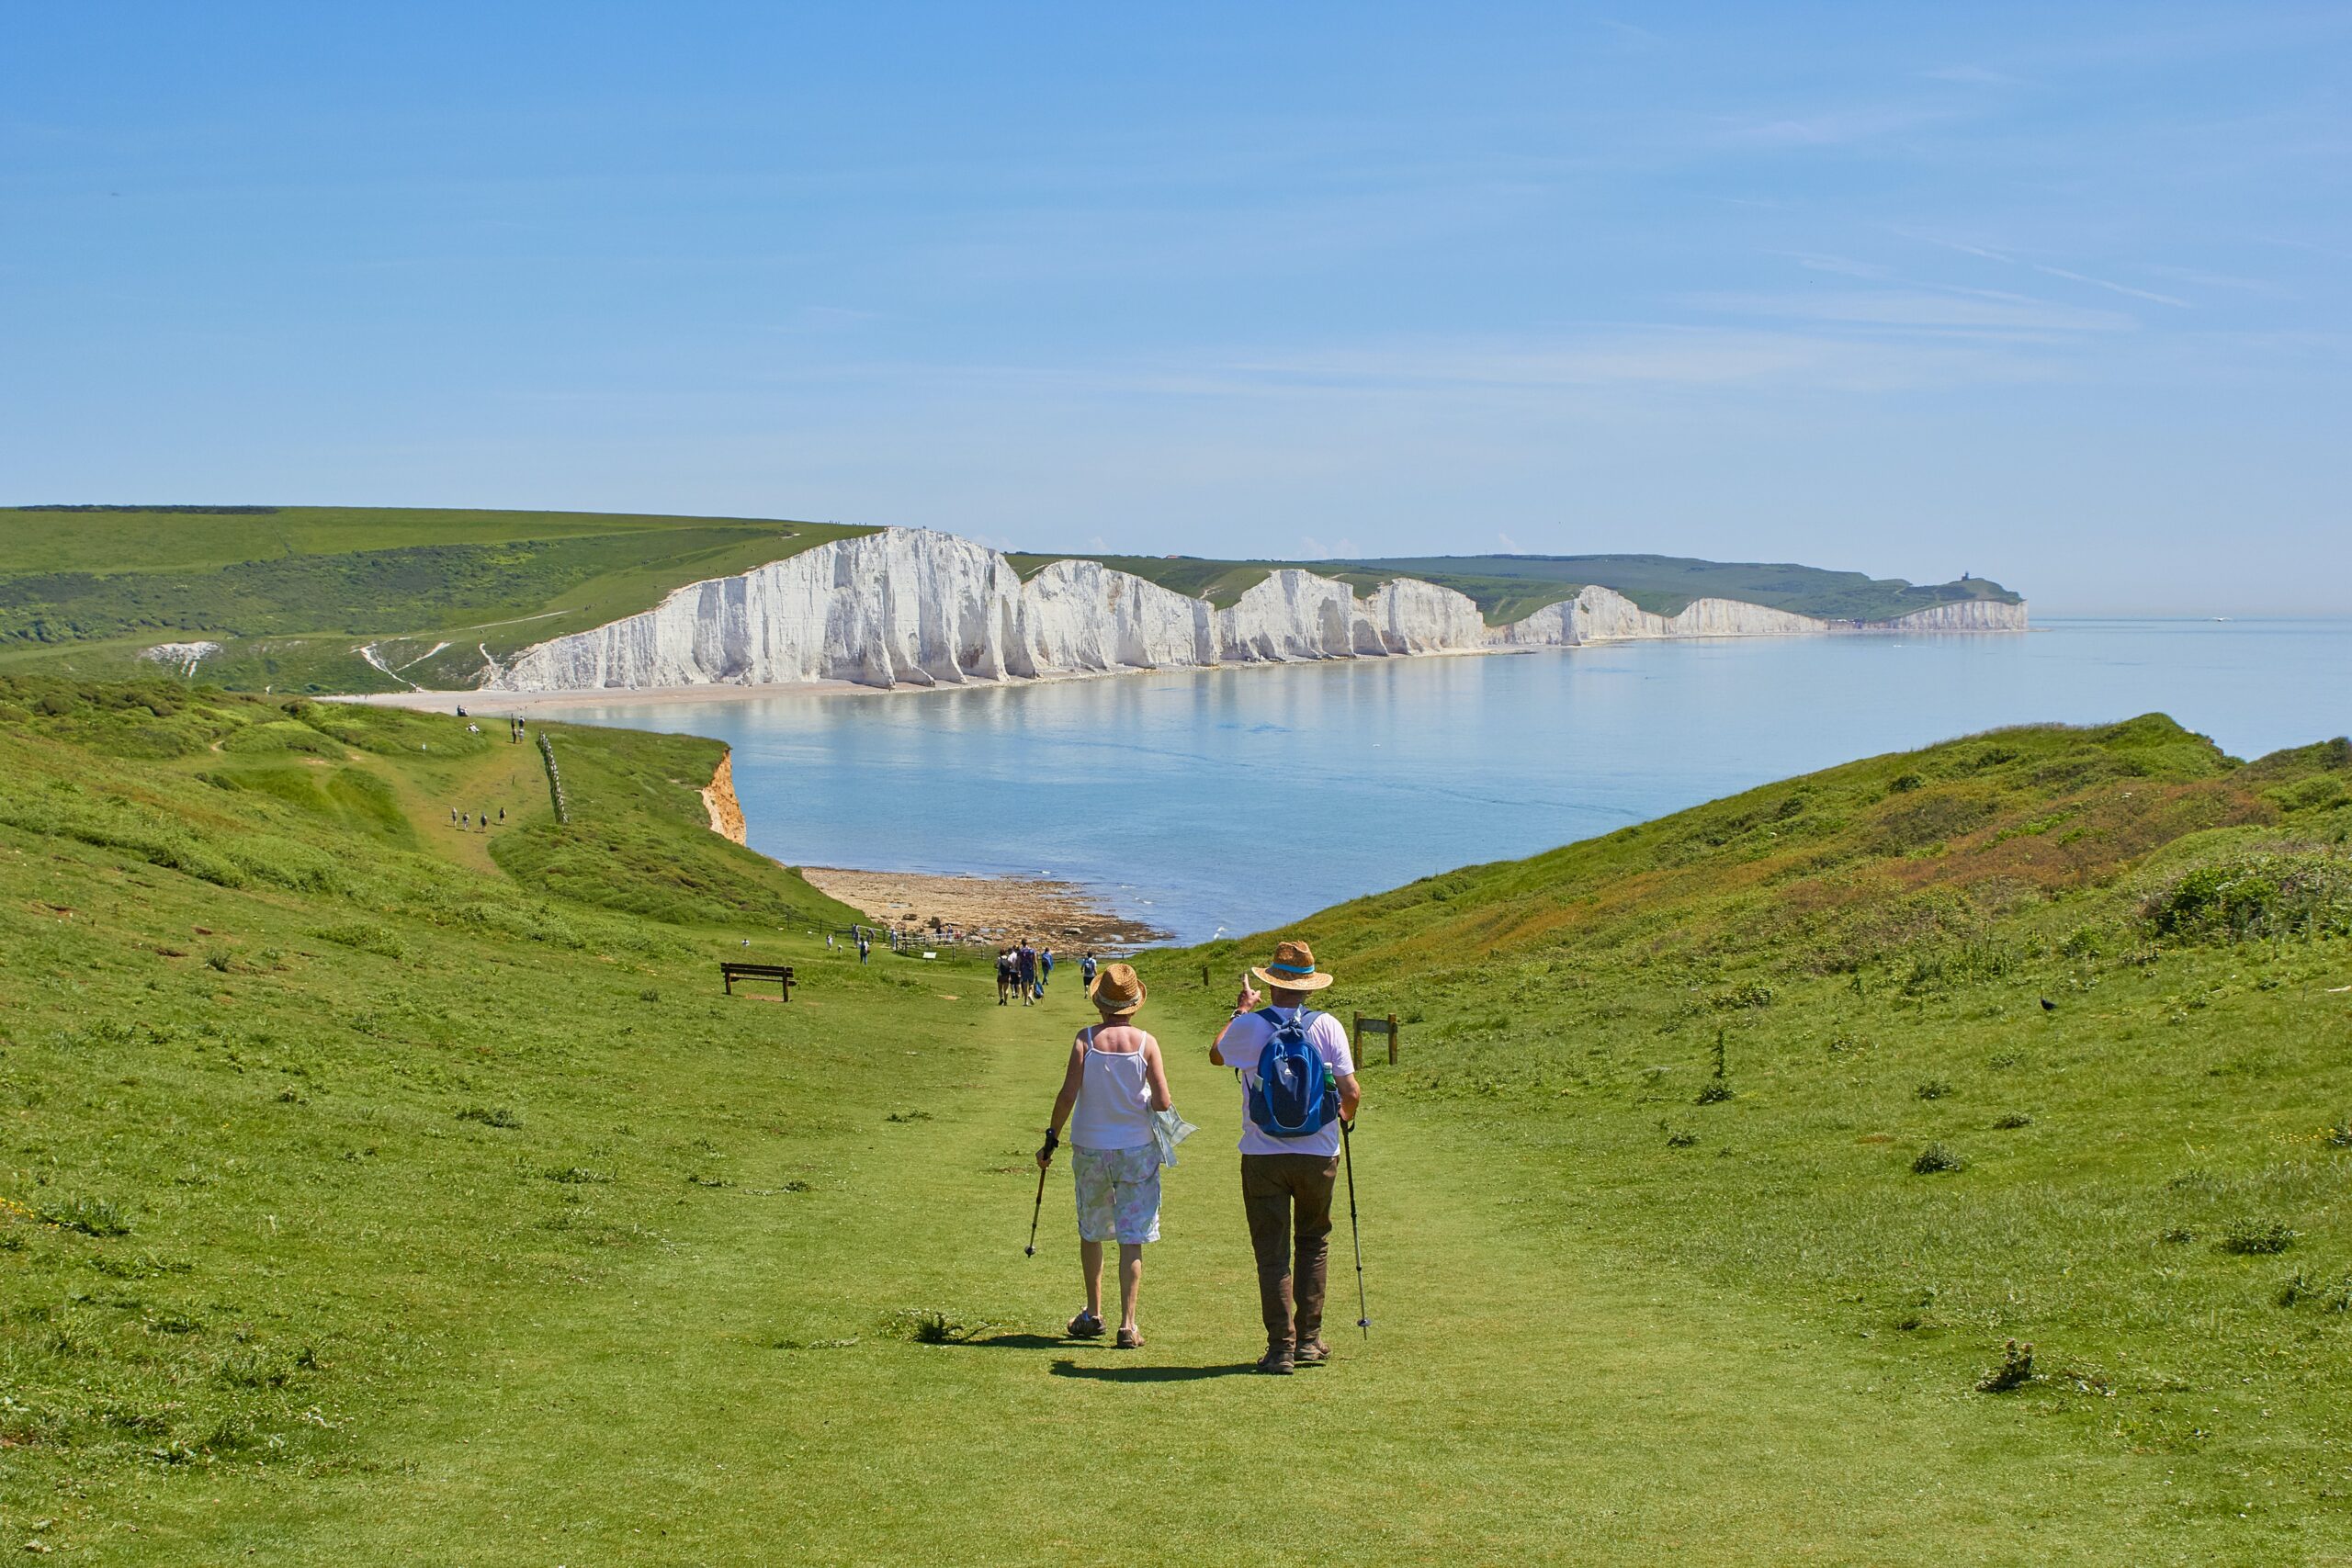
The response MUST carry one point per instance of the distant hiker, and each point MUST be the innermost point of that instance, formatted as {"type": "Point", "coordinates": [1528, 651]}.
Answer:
{"type": "Point", "coordinates": [1005, 968]}
{"type": "Point", "coordinates": [465, 819]}
{"type": "Point", "coordinates": [1045, 970]}
{"type": "Point", "coordinates": [484, 817]}
{"type": "Point", "coordinates": [1114, 1082]}
{"type": "Point", "coordinates": [1024, 965]}
{"type": "Point", "coordinates": [453, 814]}
{"type": "Point", "coordinates": [1085, 971]}
{"type": "Point", "coordinates": [865, 948]}
{"type": "Point", "coordinates": [502, 814]}
{"type": "Point", "coordinates": [1297, 1083]}
{"type": "Point", "coordinates": [829, 941]}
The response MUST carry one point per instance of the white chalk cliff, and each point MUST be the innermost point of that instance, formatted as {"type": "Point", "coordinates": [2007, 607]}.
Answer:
{"type": "Point", "coordinates": [908, 606]}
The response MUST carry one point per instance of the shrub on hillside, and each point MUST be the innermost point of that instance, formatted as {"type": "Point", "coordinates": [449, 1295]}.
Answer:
{"type": "Point", "coordinates": [2264, 893]}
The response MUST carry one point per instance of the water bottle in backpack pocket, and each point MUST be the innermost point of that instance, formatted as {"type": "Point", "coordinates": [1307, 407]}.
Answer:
{"type": "Point", "coordinates": [1293, 1096]}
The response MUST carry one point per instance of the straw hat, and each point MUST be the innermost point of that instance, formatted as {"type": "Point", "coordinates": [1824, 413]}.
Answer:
{"type": "Point", "coordinates": [1117, 989]}
{"type": "Point", "coordinates": [1292, 969]}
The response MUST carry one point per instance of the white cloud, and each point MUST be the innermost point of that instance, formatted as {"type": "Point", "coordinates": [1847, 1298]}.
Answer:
{"type": "Point", "coordinates": [1511, 546]}
{"type": "Point", "coordinates": [1312, 548]}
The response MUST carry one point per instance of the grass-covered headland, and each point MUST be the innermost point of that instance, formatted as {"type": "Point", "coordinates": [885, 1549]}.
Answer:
{"type": "Point", "coordinates": [1940, 1159]}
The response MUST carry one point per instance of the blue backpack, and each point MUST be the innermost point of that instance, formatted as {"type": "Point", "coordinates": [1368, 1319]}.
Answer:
{"type": "Point", "coordinates": [1292, 1096]}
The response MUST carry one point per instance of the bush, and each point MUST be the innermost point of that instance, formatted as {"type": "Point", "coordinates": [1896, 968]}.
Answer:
{"type": "Point", "coordinates": [2262, 895]}
{"type": "Point", "coordinates": [2015, 1372]}
{"type": "Point", "coordinates": [491, 1116]}
{"type": "Point", "coordinates": [90, 1216]}
{"type": "Point", "coordinates": [1714, 1093]}
{"type": "Point", "coordinates": [1934, 1088]}
{"type": "Point", "coordinates": [2259, 1240]}
{"type": "Point", "coordinates": [1935, 1160]}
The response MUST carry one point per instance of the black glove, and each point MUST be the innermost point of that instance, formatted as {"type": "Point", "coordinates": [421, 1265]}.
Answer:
{"type": "Point", "coordinates": [1053, 1141]}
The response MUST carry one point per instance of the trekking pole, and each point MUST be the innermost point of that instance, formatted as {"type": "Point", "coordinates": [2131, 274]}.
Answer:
{"type": "Point", "coordinates": [1348, 1157]}
{"type": "Point", "coordinates": [1031, 1250]}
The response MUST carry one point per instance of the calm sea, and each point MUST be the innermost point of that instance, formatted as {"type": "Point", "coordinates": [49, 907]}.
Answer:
{"type": "Point", "coordinates": [1235, 799]}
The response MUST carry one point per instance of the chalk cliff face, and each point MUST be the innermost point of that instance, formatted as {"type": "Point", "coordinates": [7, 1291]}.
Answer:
{"type": "Point", "coordinates": [908, 606]}
{"type": "Point", "coordinates": [1965, 616]}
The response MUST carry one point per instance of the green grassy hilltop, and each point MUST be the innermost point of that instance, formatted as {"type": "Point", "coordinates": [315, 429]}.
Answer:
{"type": "Point", "coordinates": [293, 593]}
{"type": "Point", "coordinates": [319, 599]}
{"type": "Point", "coordinates": [376, 1189]}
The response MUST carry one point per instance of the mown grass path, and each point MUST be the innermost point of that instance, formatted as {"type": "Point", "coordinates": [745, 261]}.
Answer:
{"type": "Point", "coordinates": [1524, 1398]}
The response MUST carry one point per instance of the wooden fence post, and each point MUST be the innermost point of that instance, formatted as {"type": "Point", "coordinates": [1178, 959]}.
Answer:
{"type": "Point", "coordinates": [1372, 1026]}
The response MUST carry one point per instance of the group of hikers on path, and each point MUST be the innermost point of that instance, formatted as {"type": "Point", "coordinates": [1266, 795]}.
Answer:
{"type": "Point", "coordinates": [1299, 1099]}
{"type": "Point", "coordinates": [1024, 970]}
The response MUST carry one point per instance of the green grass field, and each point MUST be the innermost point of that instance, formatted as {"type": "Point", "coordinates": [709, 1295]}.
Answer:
{"type": "Point", "coordinates": [376, 1191]}
{"type": "Point", "coordinates": [319, 599]}
{"type": "Point", "coordinates": [291, 592]}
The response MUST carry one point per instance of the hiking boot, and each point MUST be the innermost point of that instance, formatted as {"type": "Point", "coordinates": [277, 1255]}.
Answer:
{"type": "Point", "coordinates": [1279, 1359]}
{"type": "Point", "coordinates": [1085, 1325]}
{"type": "Point", "coordinates": [1131, 1340]}
{"type": "Point", "coordinates": [1313, 1353]}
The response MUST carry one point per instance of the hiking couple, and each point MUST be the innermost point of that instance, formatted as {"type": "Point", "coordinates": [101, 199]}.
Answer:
{"type": "Point", "coordinates": [1298, 1088]}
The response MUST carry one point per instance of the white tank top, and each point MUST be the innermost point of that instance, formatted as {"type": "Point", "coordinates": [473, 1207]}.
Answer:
{"type": "Point", "coordinates": [1114, 1100]}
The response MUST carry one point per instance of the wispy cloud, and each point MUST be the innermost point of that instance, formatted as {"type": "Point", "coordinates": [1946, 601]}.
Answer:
{"type": "Point", "coordinates": [1838, 128]}
{"type": "Point", "coordinates": [1842, 266]}
{"type": "Point", "coordinates": [1975, 76]}
{"type": "Point", "coordinates": [2009, 259]}
{"type": "Point", "coordinates": [1922, 308]}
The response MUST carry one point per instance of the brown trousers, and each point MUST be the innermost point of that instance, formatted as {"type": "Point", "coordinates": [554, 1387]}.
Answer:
{"type": "Point", "coordinates": [1273, 1187]}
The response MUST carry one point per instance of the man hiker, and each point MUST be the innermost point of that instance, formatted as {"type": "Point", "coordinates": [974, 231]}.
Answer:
{"type": "Point", "coordinates": [1025, 969]}
{"type": "Point", "coordinates": [865, 948]}
{"type": "Point", "coordinates": [1085, 971]}
{"type": "Point", "coordinates": [1045, 970]}
{"type": "Point", "coordinates": [1298, 1083]}
{"type": "Point", "coordinates": [1004, 967]}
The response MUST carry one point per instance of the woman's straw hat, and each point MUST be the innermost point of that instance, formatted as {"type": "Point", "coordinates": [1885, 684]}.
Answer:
{"type": "Point", "coordinates": [1117, 989]}
{"type": "Point", "coordinates": [1292, 969]}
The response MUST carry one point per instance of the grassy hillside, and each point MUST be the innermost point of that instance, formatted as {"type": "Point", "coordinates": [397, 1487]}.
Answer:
{"type": "Point", "coordinates": [365, 1181]}
{"type": "Point", "coordinates": [292, 592]}
{"type": "Point", "coordinates": [2041, 1035]}
{"type": "Point", "coordinates": [1511, 588]}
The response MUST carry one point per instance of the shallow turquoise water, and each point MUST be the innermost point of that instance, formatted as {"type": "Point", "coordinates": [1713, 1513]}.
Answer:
{"type": "Point", "coordinates": [1240, 798]}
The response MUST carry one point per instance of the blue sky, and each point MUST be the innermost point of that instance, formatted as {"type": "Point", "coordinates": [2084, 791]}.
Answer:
{"type": "Point", "coordinates": [2059, 295]}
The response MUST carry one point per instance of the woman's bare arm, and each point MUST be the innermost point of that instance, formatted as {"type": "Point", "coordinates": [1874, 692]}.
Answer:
{"type": "Point", "coordinates": [1156, 1071]}
{"type": "Point", "coordinates": [1067, 1100]}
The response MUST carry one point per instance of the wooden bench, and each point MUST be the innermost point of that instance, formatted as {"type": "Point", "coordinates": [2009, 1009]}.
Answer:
{"type": "Point", "coordinates": [780, 972]}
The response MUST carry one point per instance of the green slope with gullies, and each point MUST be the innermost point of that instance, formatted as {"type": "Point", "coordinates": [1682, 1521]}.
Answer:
{"type": "Point", "coordinates": [291, 592]}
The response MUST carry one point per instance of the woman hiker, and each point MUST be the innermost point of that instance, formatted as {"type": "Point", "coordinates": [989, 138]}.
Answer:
{"type": "Point", "coordinates": [1114, 1082]}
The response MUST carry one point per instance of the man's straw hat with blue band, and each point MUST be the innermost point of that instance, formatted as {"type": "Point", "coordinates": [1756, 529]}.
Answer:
{"type": "Point", "coordinates": [1292, 969]}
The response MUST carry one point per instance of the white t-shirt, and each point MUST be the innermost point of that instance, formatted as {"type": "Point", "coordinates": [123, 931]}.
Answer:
{"type": "Point", "coordinates": [1241, 1046]}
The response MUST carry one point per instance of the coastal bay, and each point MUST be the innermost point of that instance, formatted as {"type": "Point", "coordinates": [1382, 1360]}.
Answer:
{"type": "Point", "coordinates": [1168, 796]}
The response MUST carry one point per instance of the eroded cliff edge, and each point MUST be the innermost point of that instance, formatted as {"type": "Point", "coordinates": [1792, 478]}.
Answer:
{"type": "Point", "coordinates": [911, 606]}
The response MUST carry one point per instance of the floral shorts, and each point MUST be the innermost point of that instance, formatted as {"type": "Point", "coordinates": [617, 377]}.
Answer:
{"type": "Point", "coordinates": [1118, 1193]}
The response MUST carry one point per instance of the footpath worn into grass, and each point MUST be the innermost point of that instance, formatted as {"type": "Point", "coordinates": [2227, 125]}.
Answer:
{"type": "Point", "coordinates": [373, 1193]}
{"type": "Point", "coordinates": [758, 1380]}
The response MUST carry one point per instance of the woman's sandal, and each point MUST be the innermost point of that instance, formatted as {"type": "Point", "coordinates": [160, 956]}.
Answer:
{"type": "Point", "coordinates": [1130, 1339]}
{"type": "Point", "coordinates": [1085, 1325]}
